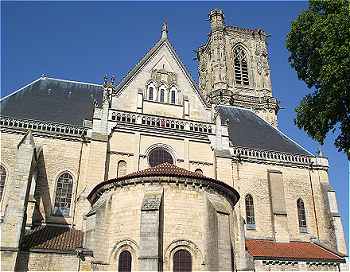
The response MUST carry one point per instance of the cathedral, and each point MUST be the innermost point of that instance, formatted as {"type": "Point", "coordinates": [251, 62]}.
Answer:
{"type": "Point", "coordinates": [162, 173]}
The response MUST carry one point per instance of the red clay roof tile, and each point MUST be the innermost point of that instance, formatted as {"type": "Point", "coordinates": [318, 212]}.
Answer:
{"type": "Point", "coordinates": [292, 250]}
{"type": "Point", "coordinates": [53, 238]}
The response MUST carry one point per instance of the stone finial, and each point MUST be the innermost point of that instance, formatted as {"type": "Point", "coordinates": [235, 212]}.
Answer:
{"type": "Point", "coordinates": [216, 18]}
{"type": "Point", "coordinates": [28, 139]}
{"type": "Point", "coordinates": [164, 30]}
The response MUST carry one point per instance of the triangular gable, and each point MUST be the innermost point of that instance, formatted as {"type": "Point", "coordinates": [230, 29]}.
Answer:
{"type": "Point", "coordinates": [152, 52]}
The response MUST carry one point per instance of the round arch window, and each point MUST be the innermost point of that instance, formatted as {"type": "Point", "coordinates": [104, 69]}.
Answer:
{"type": "Point", "coordinates": [159, 155]}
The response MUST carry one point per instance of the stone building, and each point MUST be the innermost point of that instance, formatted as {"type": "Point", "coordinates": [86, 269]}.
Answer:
{"type": "Point", "coordinates": [157, 173]}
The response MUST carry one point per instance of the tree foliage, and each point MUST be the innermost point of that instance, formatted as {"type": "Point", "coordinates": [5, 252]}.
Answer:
{"type": "Point", "coordinates": [319, 46]}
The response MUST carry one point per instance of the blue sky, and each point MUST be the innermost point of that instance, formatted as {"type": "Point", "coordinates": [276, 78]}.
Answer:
{"type": "Point", "coordinates": [85, 40]}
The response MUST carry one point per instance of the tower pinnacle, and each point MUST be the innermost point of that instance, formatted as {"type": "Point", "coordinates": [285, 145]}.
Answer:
{"type": "Point", "coordinates": [164, 30]}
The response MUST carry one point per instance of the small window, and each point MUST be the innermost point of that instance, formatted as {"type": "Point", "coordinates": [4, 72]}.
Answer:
{"type": "Point", "coordinates": [301, 215]}
{"type": "Point", "coordinates": [124, 263]}
{"type": "Point", "coordinates": [162, 95]}
{"type": "Point", "coordinates": [241, 66]}
{"type": "Point", "coordinates": [150, 93]}
{"type": "Point", "coordinates": [182, 261]}
{"type": "Point", "coordinates": [63, 198]}
{"type": "Point", "coordinates": [249, 209]}
{"type": "Point", "coordinates": [122, 169]}
{"type": "Point", "coordinates": [173, 97]}
{"type": "Point", "coordinates": [2, 180]}
{"type": "Point", "coordinates": [159, 155]}
{"type": "Point", "coordinates": [199, 171]}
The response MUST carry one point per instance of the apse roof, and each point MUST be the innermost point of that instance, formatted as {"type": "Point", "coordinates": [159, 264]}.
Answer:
{"type": "Point", "coordinates": [53, 100]}
{"type": "Point", "coordinates": [161, 170]}
{"type": "Point", "coordinates": [246, 129]}
{"type": "Point", "coordinates": [265, 249]}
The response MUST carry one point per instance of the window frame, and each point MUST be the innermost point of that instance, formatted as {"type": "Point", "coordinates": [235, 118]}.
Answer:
{"type": "Point", "coordinates": [242, 57]}
{"type": "Point", "coordinates": [118, 166]}
{"type": "Point", "coordinates": [249, 208]}
{"type": "Point", "coordinates": [129, 260]}
{"type": "Point", "coordinates": [301, 212]}
{"type": "Point", "coordinates": [4, 183]}
{"type": "Point", "coordinates": [71, 207]}
{"type": "Point", "coordinates": [175, 261]}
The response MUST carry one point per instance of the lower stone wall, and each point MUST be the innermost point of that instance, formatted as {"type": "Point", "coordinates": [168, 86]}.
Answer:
{"type": "Point", "coordinates": [45, 261]}
{"type": "Point", "coordinates": [294, 266]}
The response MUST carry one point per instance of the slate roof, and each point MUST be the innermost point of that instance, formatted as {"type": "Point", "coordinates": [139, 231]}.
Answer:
{"type": "Point", "coordinates": [265, 249]}
{"type": "Point", "coordinates": [53, 238]}
{"type": "Point", "coordinates": [246, 129]}
{"type": "Point", "coordinates": [53, 100]}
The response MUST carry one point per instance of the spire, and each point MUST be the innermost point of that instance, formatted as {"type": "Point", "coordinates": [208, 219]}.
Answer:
{"type": "Point", "coordinates": [164, 30]}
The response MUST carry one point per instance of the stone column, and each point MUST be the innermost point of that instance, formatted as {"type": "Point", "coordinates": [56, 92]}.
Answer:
{"type": "Point", "coordinates": [14, 222]}
{"type": "Point", "coordinates": [278, 204]}
{"type": "Point", "coordinates": [151, 232]}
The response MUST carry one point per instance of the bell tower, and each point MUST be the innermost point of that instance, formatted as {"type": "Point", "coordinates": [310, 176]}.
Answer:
{"type": "Point", "coordinates": [234, 68]}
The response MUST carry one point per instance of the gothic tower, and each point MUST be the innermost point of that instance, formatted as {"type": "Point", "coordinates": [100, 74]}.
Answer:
{"type": "Point", "coordinates": [234, 68]}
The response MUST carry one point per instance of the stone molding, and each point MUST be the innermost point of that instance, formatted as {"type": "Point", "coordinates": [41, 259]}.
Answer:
{"type": "Point", "coordinates": [56, 129]}
{"type": "Point", "coordinates": [154, 121]}
{"type": "Point", "coordinates": [205, 184]}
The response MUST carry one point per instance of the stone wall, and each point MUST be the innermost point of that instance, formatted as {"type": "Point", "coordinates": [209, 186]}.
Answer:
{"type": "Point", "coordinates": [45, 261]}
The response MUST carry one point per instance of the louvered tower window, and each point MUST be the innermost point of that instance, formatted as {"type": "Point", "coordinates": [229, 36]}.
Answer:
{"type": "Point", "coordinates": [159, 155]}
{"type": "Point", "coordinates": [2, 180]}
{"type": "Point", "coordinates": [124, 263]}
{"type": "Point", "coordinates": [249, 209]}
{"type": "Point", "coordinates": [63, 198]}
{"type": "Point", "coordinates": [301, 215]}
{"type": "Point", "coordinates": [241, 66]}
{"type": "Point", "coordinates": [182, 261]}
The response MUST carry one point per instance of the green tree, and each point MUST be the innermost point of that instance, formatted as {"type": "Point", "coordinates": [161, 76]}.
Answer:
{"type": "Point", "coordinates": [319, 46]}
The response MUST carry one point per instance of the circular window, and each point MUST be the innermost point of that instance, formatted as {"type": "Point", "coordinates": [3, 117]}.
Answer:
{"type": "Point", "coordinates": [159, 155]}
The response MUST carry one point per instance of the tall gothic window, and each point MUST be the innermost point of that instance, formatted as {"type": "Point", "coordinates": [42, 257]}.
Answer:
{"type": "Point", "coordinates": [159, 155]}
{"type": "Point", "coordinates": [2, 180]}
{"type": "Point", "coordinates": [249, 209]}
{"type": "Point", "coordinates": [301, 215]}
{"type": "Point", "coordinates": [182, 261]}
{"type": "Point", "coordinates": [124, 263]}
{"type": "Point", "coordinates": [63, 198]}
{"type": "Point", "coordinates": [122, 168]}
{"type": "Point", "coordinates": [173, 97]}
{"type": "Point", "coordinates": [150, 93]}
{"type": "Point", "coordinates": [241, 66]}
{"type": "Point", "coordinates": [162, 95]}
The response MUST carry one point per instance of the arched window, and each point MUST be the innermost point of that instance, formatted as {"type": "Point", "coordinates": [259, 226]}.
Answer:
{"type": "Point", "coordinates": [2, 180]}
{"type": "Point", "coordinates": [122, 167]}
{"type": "Point", "coordinates": [173, 96]}
{"type": "Point", "coordinates": [162, 95]}
{"type": "Point", "coordinates": [150, 93]}
{"type": "Point", "coordinates": [301, 215]}
{"type": "Point", "coordinates": [63, 198]}
{"type": "Point", "coordinates": [199, 171]}
{"type": "Point", "coordinates": [249, 210]}
{"type": "Point", "coordinates": [124, 263]}
{"type": "Point", "coordinates": [182, 261]}
{"type": "Point", "coordinates": [159, 155]}
{"type": "Point", "coordinates": [241, 66]}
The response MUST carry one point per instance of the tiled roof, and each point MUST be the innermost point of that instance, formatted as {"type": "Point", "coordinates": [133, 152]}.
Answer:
{"type": "Point", "coordinates": [53, 100]}
{"type": "Point", "coordinates": [164, 170]}
{"type": "Point", "coordinates": [265, 249]}
{"type": "Point", "coordinates": [246, 129]}
{"type": "Point", "coordinates": [52, 238]}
